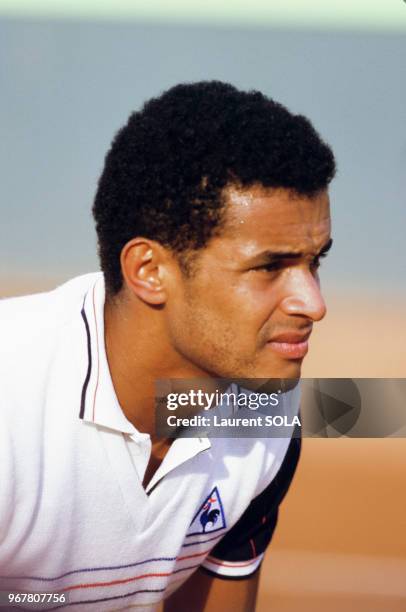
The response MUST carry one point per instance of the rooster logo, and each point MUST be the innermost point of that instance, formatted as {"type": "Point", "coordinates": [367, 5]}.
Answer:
{"type": "Point", "coordinates": [209, 517]}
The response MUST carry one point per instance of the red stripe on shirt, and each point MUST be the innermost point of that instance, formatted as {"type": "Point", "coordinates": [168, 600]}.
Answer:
{"type": "Point", "coordinates": [91, 585]}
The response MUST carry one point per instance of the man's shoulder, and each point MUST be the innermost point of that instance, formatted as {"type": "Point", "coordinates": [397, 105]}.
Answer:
{"type": "Point", "coordinates": [21, 315]}
{"type": "Point", "coordinates": [31, 325]}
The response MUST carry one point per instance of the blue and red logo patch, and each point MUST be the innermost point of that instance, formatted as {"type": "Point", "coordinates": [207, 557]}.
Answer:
{"type": "Point", "coordinates": [209, 517]}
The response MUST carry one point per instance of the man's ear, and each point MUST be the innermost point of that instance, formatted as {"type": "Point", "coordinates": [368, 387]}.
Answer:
{"type": "Point", "coordinates": [143, 268]}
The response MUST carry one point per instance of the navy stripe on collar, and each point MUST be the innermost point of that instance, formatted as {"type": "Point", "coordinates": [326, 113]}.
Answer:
{"type": "Point", "coordinates": [89, 364]}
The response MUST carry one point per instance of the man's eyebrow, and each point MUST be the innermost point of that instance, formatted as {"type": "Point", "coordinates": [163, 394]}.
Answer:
{"type": "Point", "coordinates": [269, 255]}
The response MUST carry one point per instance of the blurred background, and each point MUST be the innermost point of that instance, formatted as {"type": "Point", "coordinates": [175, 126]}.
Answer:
{"type": "Point", "coordinates": [73, 70]}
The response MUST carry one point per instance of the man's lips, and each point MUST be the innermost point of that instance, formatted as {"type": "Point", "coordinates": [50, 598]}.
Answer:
{"type": "Point", "coordinates": [290, 345]}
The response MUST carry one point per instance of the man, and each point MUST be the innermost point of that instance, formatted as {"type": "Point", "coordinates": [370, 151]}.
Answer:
{"type": "Point", "coordinates": [212, 215]}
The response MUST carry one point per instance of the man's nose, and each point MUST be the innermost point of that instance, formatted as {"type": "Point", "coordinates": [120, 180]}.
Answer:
{"type": "Point", "coordinates": [304, 297]}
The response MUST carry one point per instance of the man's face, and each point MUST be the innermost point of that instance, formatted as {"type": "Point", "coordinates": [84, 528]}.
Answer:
{"type": "Point", "coordinates": [249, 307]}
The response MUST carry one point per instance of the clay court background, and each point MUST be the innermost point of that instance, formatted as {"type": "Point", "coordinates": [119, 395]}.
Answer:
{"type": "Point", "coordinates": [341, 540]}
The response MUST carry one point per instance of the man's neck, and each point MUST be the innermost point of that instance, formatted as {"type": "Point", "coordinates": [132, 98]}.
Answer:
{"type": "Point", "coordinates": [139, 353]}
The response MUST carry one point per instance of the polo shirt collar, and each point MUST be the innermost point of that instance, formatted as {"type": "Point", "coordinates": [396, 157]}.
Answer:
{"type": "Point", "coordinates": [99, 403]}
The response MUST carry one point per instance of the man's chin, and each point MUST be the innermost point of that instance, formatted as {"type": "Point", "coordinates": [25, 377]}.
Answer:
{"type": "Point", "coordinates": [286, 369]}
{"type": "Point", "coordinates": [261, 372]}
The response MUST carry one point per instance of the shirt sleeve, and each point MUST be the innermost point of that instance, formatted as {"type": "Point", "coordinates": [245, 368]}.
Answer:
{"type": "Point", "coordinates": [240, 552]}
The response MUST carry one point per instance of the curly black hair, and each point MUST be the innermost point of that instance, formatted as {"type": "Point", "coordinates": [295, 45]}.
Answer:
{"type": "Point", "coordinates": [166, 170]}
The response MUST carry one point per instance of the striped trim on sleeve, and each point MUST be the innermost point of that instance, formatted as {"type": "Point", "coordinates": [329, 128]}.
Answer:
{"type": "Point", "coordinates": [232, 569]}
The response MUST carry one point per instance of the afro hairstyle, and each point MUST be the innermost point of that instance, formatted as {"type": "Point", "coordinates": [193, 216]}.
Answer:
{"type": "Point", "coordinates": [167, 168]}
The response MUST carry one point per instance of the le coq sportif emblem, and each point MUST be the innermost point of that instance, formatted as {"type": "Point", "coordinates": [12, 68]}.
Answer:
{"type": "Point", "coordinates": [209, 517]}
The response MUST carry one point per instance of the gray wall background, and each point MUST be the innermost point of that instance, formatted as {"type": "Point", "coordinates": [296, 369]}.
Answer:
{"type": "Point", "coordinates": [66, 87]}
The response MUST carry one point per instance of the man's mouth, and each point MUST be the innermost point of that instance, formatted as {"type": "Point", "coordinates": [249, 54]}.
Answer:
{"type": "Point", "coordinates": [290, 345]}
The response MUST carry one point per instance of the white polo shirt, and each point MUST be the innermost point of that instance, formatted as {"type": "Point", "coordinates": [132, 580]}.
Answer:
{"type": "Point", "coordinates": [74, 516]}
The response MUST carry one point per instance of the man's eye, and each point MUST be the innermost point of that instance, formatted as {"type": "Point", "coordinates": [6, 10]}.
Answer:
{"type": "Point", "coordinates": [270, 267]}
{"type": "Point", "coordinates": [279, 265]}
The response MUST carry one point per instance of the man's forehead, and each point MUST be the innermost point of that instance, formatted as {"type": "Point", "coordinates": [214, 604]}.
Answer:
{"type": "Point", "coordinates": [273, 206]}
{"type": "Point", "coordinates": [259, 218]}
